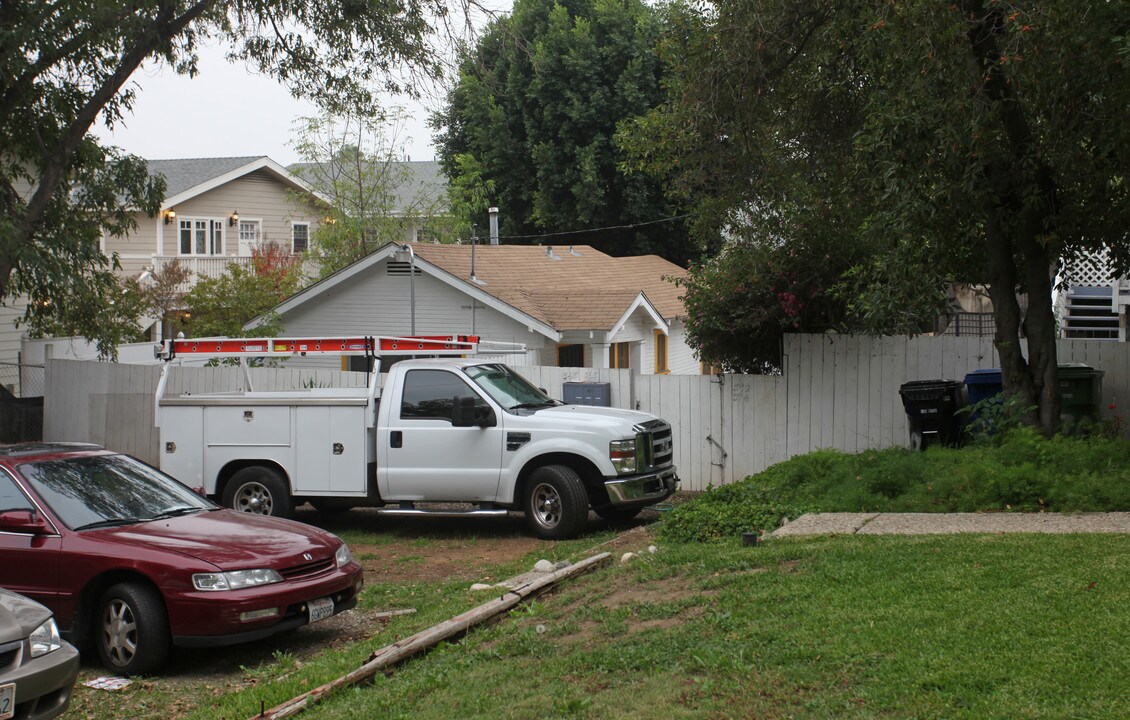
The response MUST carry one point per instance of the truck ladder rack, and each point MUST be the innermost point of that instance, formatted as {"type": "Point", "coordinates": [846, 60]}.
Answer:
{"type": "Point", "coordinates": [288, 347]}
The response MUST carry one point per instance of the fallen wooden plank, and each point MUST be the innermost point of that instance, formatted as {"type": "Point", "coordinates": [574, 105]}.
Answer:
{"type": "Point", "coordinates": [385, 614]}
{"type": "Point", "coordinates": [403, 649]}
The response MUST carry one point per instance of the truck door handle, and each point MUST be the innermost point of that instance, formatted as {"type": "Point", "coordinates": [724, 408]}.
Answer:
{"type": "Point", "coordinates": [396, 439]}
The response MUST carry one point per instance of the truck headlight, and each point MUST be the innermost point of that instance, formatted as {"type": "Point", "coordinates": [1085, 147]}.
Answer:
{"type": "Point", "coordinates": [622, 453]}
{"type": "Point", "coordinates": [235, 580]}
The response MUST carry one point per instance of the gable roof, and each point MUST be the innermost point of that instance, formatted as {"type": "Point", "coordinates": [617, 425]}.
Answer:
{"type": "Point", "coordinates": [186, 178]}
{"type": "Point", "coordinates": [552, 290]}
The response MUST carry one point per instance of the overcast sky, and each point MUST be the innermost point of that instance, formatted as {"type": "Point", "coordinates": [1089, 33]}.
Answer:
{"type": "Point", "coordinates": [225, 111]}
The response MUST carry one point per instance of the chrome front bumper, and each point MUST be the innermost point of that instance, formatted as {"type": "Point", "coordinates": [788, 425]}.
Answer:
{"type": "Point", "coordinates": [639, 490]}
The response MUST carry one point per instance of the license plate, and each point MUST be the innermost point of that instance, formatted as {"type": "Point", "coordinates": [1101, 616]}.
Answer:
{"type": "Point", "coordinates": [320, 609]}
{"type": "Point", "coordinates": [7, 701]}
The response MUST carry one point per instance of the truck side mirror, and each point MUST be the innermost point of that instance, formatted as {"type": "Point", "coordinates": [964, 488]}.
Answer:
{"type": "Point", "coordinates": [466, 413]}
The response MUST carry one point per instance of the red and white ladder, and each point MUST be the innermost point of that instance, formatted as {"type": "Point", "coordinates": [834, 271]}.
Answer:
{"type": "Point", "coordinates": [289, 347]}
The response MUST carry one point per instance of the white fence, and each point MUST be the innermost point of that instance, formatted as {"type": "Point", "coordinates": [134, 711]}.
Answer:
{"type": "Point", "coordinates": [836, 391]}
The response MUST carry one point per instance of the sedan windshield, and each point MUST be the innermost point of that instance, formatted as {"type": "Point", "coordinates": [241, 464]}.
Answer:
{"type": "Point", "coordinates": [508, 388]}
{"type": "Point", "coordinates": [106, 490]}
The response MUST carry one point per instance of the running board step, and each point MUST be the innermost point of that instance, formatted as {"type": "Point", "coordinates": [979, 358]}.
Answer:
{"type": "Point", "coordinates": [418, 512]}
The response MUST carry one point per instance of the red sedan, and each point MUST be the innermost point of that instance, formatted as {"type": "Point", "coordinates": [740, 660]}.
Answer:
{"type": "Point", "coordinates": [133, 562]}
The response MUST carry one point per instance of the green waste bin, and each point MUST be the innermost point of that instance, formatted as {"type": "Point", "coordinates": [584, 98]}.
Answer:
{"type": "Point", "coordinates": [1080, 396]}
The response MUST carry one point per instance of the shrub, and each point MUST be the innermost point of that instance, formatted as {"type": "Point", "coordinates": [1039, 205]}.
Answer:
{"type": "Point", "coordinates": [726, 512]}
{"type": "Point", "coordinates": [1020, 470]}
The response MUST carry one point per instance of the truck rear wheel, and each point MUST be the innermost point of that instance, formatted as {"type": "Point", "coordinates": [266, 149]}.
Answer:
{"type": "Point", "coordinates": [556, 505]}
{"type": "Point", "coordinates": [259, 490]}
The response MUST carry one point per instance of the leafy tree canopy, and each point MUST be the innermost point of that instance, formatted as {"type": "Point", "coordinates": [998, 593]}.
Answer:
{"type": "Point", "coordinates": [371, 197]}
{"type": "Point", "coordinates": [65, 66]}
{"type": "Point", "coordinates": [220, 307]}
{"type": "Point", "coordinates": [979, 141]}
{"type": "Point", "coordinates": [534, 113]}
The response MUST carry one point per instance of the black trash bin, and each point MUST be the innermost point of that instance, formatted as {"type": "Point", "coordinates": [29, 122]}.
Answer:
{"type": "Point", "coordinates": [1080, 396]}
{"type": "Point", "coordinates": [931, 409]}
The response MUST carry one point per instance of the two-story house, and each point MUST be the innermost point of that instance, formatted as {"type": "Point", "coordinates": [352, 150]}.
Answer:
{"type": "Point", "coordinates": [218, 210]}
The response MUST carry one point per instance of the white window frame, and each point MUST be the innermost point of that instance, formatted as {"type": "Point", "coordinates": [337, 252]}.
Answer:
{"type": "Point", "coordinates": [293, 227]}
{"type": "Point", "coordinates": [210, 240]}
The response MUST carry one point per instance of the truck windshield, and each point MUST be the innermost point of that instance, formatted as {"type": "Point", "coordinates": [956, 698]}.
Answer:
{"type": "Point", "coordinates": [508, 388]}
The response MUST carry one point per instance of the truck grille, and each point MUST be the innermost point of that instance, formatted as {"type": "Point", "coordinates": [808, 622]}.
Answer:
{"type": "Point", "coordinates": [658, 448]}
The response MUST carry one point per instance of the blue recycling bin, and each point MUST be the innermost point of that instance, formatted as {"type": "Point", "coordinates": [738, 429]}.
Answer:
{"type": "Point", "coordinates": [983, 384]}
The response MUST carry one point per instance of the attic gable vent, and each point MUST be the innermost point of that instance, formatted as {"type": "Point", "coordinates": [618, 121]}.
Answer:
{"type": "Point", "coordinates": [400, 268]}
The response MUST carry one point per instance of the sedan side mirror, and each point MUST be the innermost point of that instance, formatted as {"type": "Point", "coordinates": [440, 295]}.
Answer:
{"type": "Point", "coordinates": [466, 413]}
{"type": "Point", "coordinates": [24, 521]}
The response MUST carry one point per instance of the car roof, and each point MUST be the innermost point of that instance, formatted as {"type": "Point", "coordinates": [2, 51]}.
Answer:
{"type": "Point", "coordinates": [27, 450]}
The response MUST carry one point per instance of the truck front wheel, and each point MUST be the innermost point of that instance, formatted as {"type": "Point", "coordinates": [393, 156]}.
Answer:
{"type": "Point", "coordinates": [259, 490]}
{"type": "Point", "coordinates": [556, 504]}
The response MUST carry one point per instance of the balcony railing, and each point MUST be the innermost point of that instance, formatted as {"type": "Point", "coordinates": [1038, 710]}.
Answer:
{"type": "Point", "coordinates": [198, 266]}
{"type": "Point", "coordinates": [215, 265]}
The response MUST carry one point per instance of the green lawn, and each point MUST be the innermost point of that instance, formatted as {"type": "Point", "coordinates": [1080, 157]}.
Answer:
{"type": "Point", "coordinates": [994, 626]}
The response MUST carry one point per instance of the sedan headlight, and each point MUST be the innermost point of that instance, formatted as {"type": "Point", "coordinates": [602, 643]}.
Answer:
{"type": "Point", "coordinates": [45, 638]}
{"type": "Point", "coordinates": [343, 557]}
{"type": "Point", "coordinates": [623, 455]}
{"type": "Point", "coordinates": [235, 580]}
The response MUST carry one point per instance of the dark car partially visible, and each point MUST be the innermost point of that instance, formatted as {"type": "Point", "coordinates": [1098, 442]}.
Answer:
{"type": "Point", "coordinates": [37, 667]}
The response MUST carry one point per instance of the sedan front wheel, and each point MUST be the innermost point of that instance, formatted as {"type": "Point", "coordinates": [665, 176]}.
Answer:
{"type": "Point", "coordinates": [133, 629]}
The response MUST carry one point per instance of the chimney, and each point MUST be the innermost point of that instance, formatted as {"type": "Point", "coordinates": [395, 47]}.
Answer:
{"type": "Point", "coordinates": [493, 225]}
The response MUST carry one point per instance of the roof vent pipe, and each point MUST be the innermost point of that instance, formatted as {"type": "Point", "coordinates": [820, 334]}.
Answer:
{"type": "Point", "coordinates": [473, 231]}
{"type": "Point", "coordinates": [493, 212]}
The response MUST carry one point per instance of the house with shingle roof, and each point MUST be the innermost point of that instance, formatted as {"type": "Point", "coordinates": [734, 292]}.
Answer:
{"type": "Point", "coordinates": [218, 210]}
{"type": "Point", "coordinates": [569, 306]}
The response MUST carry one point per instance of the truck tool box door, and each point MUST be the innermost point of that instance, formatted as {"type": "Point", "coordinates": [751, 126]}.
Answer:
{"type": "Point", "coordinates": [430, 459]}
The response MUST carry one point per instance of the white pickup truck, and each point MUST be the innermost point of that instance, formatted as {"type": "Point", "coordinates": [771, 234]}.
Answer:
{"type": "Point", "coordinates": [472, 436]}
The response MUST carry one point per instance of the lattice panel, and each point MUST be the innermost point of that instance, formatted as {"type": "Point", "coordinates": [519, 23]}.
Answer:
{"type": "Point", "coordinates": [1090, 270]}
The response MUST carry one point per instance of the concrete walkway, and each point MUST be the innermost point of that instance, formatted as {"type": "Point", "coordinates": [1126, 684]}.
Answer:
{"type": "Point", "coordinates": [949, 523]}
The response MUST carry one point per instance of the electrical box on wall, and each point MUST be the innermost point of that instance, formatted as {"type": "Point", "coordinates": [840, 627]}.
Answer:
{"type": "Point", "coordinates": [587, 393]}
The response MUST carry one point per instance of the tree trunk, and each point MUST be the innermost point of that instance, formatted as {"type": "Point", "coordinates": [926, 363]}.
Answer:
{"type": "Point", "coordinates": [1015, 374]}
{"type": "Point", "coordinates": [1020, 225]}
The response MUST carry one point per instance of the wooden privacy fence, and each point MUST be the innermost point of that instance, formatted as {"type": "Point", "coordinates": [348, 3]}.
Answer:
{"type": "Point", "coordinates": [836, 391]}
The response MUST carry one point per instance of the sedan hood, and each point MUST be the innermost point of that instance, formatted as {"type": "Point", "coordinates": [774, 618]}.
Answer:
{"type": "Point", "coordinates": [229, 540]}
{"type": "Point", "coordinates": [19, 616]}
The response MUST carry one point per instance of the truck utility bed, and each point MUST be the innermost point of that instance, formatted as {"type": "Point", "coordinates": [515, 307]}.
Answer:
{"type": "Point", "coordinates": [313, 396]}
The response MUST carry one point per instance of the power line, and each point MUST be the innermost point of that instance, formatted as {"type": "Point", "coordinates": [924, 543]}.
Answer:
{"type": "Point", "coordinates": [565, 233]}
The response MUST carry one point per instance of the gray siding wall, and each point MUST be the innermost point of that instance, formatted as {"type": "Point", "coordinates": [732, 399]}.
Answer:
{"type": "Point", "coordinates": [10, 335]}
{"type": "Point", "coordinates": [380, 305]}
{"type": "Point", "coordinates": [257, 196]}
